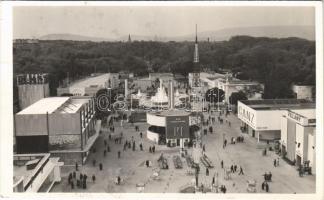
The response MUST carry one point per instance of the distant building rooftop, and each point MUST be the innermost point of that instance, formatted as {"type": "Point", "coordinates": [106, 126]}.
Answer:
{"type": "Point", "coordinates": [238, 82]}
{"type": "Point", "coordinates": [98, 81]}
{"type": "Point", "coordinates": [171, 113]}
{"type": "Point", "coordinates": [307, 113]}
{"type": "Point", "coordinates": [273, 104]}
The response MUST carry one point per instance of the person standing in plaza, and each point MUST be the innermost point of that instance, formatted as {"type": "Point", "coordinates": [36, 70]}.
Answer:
{"type": "Point", "coordinates": [213, 181]}
{"type": "Point", "coordinates": [125, 146]}
{"type": "Point", "coordinates": [275, 162]}
{"type": "Point", "coordinates": [70, 178]}
{"type": "Point", "coordinates": [267, 187]}
{"type": "Point", "coordinates": [141, 134]}
{"type": "Point", "coordinates": [153, 149]}
{"type": "Point", "coordinates": [134, 146]}
{"type": "Point", "coordinates": [222, 164]}
{"type": "Point", "coordinates": [93, 178]}
{"type": "Point", "coordinates": [141, 147]}
{"type": "Point", "coordinates": [72, 185]}
{"type": "Point", "coordinates": [100, 166]}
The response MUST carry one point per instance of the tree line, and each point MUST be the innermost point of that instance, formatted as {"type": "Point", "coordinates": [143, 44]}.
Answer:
{"type": "Point", "coordinates": [277, 63]}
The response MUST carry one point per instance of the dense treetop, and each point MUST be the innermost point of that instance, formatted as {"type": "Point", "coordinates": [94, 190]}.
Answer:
{"type": "Point", "coordinates": [277, 63]}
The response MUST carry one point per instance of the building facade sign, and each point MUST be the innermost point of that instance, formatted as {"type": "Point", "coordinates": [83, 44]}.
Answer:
{"type": "Point", "coordinates": [177, 127]}
{"type": "Point", "coordinates": [297, 118]}
{"type": "Point", "coordinates": [247, 115]}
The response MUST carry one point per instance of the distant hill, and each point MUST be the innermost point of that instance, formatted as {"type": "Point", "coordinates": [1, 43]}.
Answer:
{"type": "Point", "coordinates": [63, 36]}
{"type": "Point", "coordinates": [305, 32]}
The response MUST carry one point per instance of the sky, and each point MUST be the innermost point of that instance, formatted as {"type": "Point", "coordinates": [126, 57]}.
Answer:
{"type": "Point", "coordinates": [114, 22]}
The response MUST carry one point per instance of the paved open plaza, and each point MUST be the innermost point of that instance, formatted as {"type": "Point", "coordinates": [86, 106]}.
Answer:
{"type": "Point", "coordinates": [131, 166]}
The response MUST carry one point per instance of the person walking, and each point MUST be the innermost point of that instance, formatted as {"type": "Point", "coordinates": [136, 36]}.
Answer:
{"type": "Point", "coordinates": [232, 168]}
{"type": "Point", "coordinates": [241, 171]}
{"type": "Point", "coordinates": [100, 166]}
{"type": "Point", "coordinates": [275, 162]}
{"type": "Point", "coordinates": [262, 186]}
{"type": "Point", "coordinates": [222, 164]}
{"type": "Point", "coordinates": [93, 178]}
{"type": "Point", "coordinates": [141, 147]}
{"type": "Point", "coordinates": [141, 134]}
{"type": "Point", "coordinates": [153, 149]}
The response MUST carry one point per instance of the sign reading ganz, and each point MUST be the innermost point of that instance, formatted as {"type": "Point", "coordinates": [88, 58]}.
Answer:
{"type": "Point", "coordinates": [246, 115]}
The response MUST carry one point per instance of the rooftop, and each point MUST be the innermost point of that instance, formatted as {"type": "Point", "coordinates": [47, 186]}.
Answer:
{"type": "Point", "coordinates": [307, 113]}
{"type": "Point", "coordinates": [20, 168]}
{"type": "Point", "coordinates": [98, 80]}
{"type": "Point", "coordinates": [276, 104]}
{"type": "Point", "coordinates": [55, 104]}
{"type": "Point", "coordinates": [172, 113]}
{"type": "Point", "coordinates": [238, 82]}
{"type": "Point", "coordinates": [45, 105]}
{"type": "Point", "coordinates": [73, 105]}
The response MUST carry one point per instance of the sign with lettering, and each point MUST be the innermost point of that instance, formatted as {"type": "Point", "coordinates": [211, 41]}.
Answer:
{"type": "Point", "coordinates": [247, 115]}
{"type": "Point", "coordinates": [297, 118]}
{"type": "Point", "coordinates": [177, 127]}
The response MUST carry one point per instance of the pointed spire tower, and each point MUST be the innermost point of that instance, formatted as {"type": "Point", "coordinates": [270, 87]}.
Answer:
{"type": "Point", "coordinates": [196, 53]}
{"type": "Point", "coordinates": [129, 38]}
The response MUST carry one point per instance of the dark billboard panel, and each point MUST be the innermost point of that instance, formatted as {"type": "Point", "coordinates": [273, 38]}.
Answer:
{"type": "Point", "coordinates": [177, 127]}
